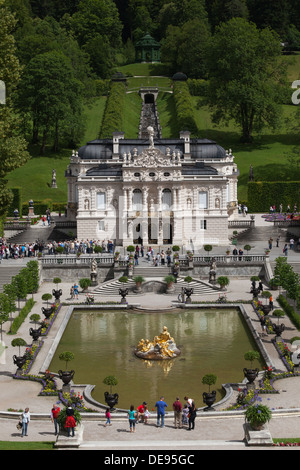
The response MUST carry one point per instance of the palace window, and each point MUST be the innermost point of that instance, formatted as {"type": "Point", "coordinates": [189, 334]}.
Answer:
{"type": "Point", "coordinates": [203, 200]}
{"type": "Point", "coordinates": [137, 200]}
{"type": "Point", "coordinates": [101, 225]}
{"type": "Point", "coordinates": [101, 201]}
{"type": "Point", "coordinates": [202, 224]}
{"type": "Point", "coordinates": [166, 199]}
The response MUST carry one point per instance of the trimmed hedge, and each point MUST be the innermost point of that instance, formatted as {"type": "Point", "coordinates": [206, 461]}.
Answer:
{"type": "Point", "coordinates": [263, 194]}
{"type": "Point", "coordinates": [21, 317]}
{"type": "Point", "coordinates": [114, 110]}
{"type": "Point", "coordinates": [16, 202]}
{"type": "Point", "coordinates": [184, 108]}
{"type": "Point", "coordinates": [289, 311]}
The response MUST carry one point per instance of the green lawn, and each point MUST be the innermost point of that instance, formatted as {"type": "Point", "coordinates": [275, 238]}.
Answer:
{"type": "Point", "coordinates": [36, 176]}
{"type": "Point", "coordinates": [94, 114]}
{"type": "Point", "coordinates": [10, 445]}
{"type": "Point", "coordinates": [268, 154]}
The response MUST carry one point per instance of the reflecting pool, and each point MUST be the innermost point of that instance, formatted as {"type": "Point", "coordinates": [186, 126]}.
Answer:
{"type": "Point", "coordinates": [212, 341]}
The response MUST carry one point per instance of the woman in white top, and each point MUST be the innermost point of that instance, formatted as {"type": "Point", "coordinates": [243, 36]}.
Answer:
{"type": "Point", "coordinates": [25, 421]}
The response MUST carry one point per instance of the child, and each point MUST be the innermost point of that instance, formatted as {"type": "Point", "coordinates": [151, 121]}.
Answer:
{"type": "Point", "coordinates": [185, 413]}
{"type": "Point", "coordinates": [107, 416]}
{"type": "Point", "coordinates": [146, 414]}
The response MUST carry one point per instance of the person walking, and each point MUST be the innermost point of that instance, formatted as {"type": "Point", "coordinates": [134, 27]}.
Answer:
{"type": "Point", "coordinates": [75, 290]}
{"type": "Point", "coordinates": [285, 249]}
{"type": "Point", "coordinates": [25, 422]}
{"type": "Point", "coordinates": [271, 302]}
{"type": "Point", "coordinates": [192, 415]}
{"type": "Point", "coordinates": [263, 326]}
{"type": "Point", "coordinates": [54, 415]}
{"type": "Point", "coordinates": [161, 405]}
{"type": "Point", "coordinates": [108, 417]}
{"type": "Point", "coordinates": [177, 407]}
{"type": "Point", "coordinates": [131, 416]}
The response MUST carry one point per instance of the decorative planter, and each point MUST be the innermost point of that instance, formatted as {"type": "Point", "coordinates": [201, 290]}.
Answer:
{"type": "Point", "coordinates": [111, 399]}
{"type": "Point", "coordinates": [209, 398]}
{"type": "Point", "coordinates": [57, 293]}
{"type": "Point", "coordinates": [35, 333]}
{"type": "Point", "coordinates": [266, 309]}
{"type": "Point", "coordinates": [188, 292]}
{"type": "Point", "coordinates": [278, 329]}
{"type": "Point", "coordinates": [123, 292]}
{"type": "Point", "coordinates": [138, 287]}
{"type": "Point", "coordinates": [47, 311]}
{"type": "Point", "coordinates": [250, 374]}
{"type": "Point", "coordinates": [66, 376]}
{"type": "Point", "coordinates": [170, 288]}
{"type": "Point", "coordinates": [19, 361]}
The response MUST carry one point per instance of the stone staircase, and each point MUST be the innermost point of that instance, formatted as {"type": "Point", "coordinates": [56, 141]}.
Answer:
{"type": "Point", "coordinates": [257, 234]}
{"type": "Point", "coordinates": [152, 271]}
{"type": "Point", "coordinates": [8, 272]}
{"type": "Point", "coordinates": [111, 288]}
{"type": "Point", "coordinates": [199, 287]}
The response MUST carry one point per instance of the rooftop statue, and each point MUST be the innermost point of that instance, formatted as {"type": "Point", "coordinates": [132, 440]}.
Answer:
{"type": "Point", "coordinates": [151, 136]}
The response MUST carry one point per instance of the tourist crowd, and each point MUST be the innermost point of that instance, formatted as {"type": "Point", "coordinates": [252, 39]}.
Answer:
{"type": "Point", "coordinates": [23, 250]}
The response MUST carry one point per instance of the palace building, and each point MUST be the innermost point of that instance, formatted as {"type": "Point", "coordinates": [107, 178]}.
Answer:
{"type": "Point", "coordinates": [152, 190]}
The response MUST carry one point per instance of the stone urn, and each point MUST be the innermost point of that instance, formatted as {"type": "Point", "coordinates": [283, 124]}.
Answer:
{"type": "Point", "coordinates": [209, 398]}
{"type": "Point", "coordinates": [250, 374]}
{"type": "Point", "coordinates": [111, 399]}
{"type": "Point", "coordinates": [278, 329]}
{"type": "Point", "coordinates": [57, 294]}
{"type": "Point", "coordinates": [188, 291]}
{"type": "Point", "coordinates": [19, 361]}
{"type": "Point", "coordinates": [266, 309]}
{"type": "Point", "coordinates": [35, 333]}
{"type": "Point", "coordinates": [47, 311]}
{"type": "Point", "coordinates": [66, 376]}
{"type": "Point", "coordinates": [123, 292]}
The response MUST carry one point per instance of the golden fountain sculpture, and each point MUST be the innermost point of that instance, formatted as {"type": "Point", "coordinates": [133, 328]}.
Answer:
{"type": "Point", "coordinates": [162, 347]}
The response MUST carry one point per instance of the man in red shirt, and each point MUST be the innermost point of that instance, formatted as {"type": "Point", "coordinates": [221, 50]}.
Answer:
{"type": "Point", "coordinates": [140, 411]}
{"type": "Point", "coordinates": [54, 415]}
{"type": "Point", "coordinates": [177, 407]}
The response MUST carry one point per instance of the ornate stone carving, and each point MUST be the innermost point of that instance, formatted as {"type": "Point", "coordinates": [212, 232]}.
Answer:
{"type": "Point", "coordinates": [152, 158]}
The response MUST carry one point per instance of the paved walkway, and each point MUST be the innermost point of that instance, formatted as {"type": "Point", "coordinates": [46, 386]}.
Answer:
{"type": "Point", "coordinates": [213, 431]}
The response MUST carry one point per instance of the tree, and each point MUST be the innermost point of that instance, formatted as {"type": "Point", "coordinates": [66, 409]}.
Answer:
{"type": "Point", "coordinates": [97, 17]}
{"type": "Point", "coordinates": [4, 310]}
{"type": "Point", "coordinates": [66, 356]}
{"type": "Point", "coordinates": [10, 292]}
{"type": "Point", "coordinates": [19, 342]}
{"type": "Point", "coordinates": [50, 93]}
{"type": "Point", "coordinates": [184, 47]}
{"type": "Point", "coordinates": [19, 284]}
{"type": "Point", "coordinates": [245, 76]}
{"type": "Point", "coordinates": [13, 153]}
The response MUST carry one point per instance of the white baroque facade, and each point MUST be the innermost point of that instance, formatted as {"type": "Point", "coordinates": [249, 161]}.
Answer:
{"type": "Point", "coordinates": [168, 191]}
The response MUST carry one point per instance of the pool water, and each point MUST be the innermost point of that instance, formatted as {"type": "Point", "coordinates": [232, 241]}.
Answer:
{"type": "Point", "coordinates": [212, 341]}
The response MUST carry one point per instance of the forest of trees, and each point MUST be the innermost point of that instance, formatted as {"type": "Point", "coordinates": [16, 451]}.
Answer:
{"type": "Point", "coordinates": [56, 56]}
{"type": "Point", "coordinates": [63, 51]}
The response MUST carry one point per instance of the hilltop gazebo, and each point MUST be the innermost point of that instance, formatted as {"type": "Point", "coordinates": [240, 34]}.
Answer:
{"type": "Point", "coordinates": [147, 49]}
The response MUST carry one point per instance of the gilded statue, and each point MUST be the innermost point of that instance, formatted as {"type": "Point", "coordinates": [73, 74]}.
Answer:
{"type": "Point", "coordinates": [162, 347]}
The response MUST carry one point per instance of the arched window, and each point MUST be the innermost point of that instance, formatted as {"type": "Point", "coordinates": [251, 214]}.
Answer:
{"type": "Point", "coordinates": [137, 200]}
{"type": "Point", "coordinates": [166, 200]}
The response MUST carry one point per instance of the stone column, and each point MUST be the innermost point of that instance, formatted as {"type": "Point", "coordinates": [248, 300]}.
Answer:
{"type": "Point", "coordinates": [130, 191]}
